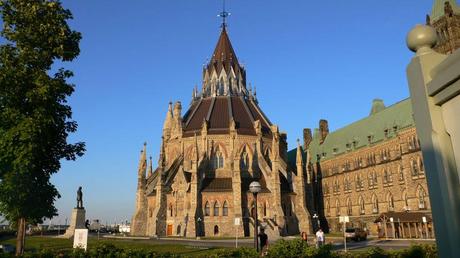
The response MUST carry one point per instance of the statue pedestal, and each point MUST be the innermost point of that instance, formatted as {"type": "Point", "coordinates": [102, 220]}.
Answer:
{"type": "Point", "coordinates": [77, 221]}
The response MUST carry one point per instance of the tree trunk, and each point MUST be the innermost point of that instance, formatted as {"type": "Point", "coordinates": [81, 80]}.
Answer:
{"type": "Point", "coordinates": [21, 237]}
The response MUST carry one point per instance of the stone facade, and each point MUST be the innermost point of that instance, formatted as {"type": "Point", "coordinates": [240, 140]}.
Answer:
{"type": "Point", "coordinates": [208, 158]}
{"type": "Point", "coordinates": [388, 176]}
{"type": "Point", "coordinates": [445, 19]}
{"type": "Point", "coordinates": [374, 166]}
{"type": "Point", "coordinates": [363, 176]}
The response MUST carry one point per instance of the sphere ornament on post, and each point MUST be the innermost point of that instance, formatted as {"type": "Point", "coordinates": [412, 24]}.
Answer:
{"type": "Point", "coordinates": [421, 39]}
{"type": "Point", "coordinates": [255, 188]}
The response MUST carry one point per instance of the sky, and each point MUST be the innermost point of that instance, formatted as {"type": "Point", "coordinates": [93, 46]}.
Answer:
{"type": "Point", "coordinates": [308, 59]}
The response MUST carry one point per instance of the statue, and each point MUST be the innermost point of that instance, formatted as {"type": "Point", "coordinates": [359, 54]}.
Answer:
{"type": "Point", "coordinates": [79, 198]}
{"type": "Point", "coordinates": [448, 9]}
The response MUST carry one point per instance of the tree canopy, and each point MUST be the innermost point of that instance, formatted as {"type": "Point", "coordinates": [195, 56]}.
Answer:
{"type": "Point", "coordinates": [35, 118]}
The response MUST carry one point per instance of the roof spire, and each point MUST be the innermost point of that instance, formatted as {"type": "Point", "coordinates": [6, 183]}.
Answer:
{"type": "Point", "coordinates": [224, 15]}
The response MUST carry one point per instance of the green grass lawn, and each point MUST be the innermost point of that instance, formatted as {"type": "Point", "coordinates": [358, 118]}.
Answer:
{"type": "Point", "coordinates": [34, 243]}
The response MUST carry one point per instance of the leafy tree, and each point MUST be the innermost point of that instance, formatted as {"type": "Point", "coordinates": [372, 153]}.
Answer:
{"type": "Point", "coordinates": [35, 118]}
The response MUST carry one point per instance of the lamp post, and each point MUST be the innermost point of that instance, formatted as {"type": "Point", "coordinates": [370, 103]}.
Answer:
{"type": "Point", "coordinates": [255, 188]}
{"type": "Point", "coordinates": [198, 232]}
{"type": "Point", "coordinates": [425, 224]}
{"type": "Point", "coordinates": [393, 227]}
{"type": "Point", "coordinates": [316, 217]}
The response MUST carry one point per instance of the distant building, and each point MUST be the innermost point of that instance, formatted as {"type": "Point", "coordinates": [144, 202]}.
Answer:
{"type": "Point", "coordinates": [370, 167]}
{"type": "Point", "coordinates": [445, 18]}
{"type": "Point", "coordinates": [372, 170]}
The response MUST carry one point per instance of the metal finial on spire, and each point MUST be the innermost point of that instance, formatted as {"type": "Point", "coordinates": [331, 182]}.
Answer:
{"type": "Point", "coordinates": [224, 15]}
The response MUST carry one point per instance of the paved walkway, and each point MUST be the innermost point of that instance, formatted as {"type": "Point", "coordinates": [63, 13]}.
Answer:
{"type": "Point", "coordinates": [337, 242]}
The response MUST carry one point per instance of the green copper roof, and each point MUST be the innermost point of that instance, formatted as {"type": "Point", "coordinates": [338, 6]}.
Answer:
{"type": "Point", "coordinates": [356, 135]}
{"type": "Point", "coordinates": [438, 8]}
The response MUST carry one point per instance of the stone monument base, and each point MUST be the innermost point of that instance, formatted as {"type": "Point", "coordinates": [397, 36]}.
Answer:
{"type": "Point", "coordinates": [77, 221]}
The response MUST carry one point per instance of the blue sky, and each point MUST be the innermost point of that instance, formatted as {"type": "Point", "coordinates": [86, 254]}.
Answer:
{"type": "Point", "coordinates": [308, 59]}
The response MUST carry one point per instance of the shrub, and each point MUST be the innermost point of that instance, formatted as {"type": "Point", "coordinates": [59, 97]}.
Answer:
{"type": "Point", "coordinates": [377, 252]}
{"type": "Point", "coordinates": [418, 251]}
{"type": "Point", "coordinates": [298, 248]}
{"type": "Point", "coordinates": [242, 252]}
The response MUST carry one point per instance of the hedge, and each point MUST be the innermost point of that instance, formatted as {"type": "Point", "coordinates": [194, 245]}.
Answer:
{"type": "Point", "coordinates": [281, 249]}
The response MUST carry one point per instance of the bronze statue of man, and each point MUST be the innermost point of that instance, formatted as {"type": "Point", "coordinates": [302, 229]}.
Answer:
{"type": "Point", "coordinates": [79, 198]}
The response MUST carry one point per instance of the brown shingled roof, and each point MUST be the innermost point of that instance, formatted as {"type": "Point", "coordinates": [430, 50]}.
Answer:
{"type": "Point", "coordinates": [224, 56]}
{"type": "Point", "coordinates": [217, 185]}
{"type": "Point", "coordinates": [220, 110]}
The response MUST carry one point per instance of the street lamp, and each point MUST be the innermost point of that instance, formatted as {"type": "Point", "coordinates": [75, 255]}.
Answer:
{"type": "Point", "coordinates": [255, 188]}
{"type": "Point", "coordinates": [393, 227]}
{"type": "Point", "coordinates": [426, 227]}
{"type": "Point", "coordinates": [316, 217]}
{"type": "Point", "coordinates": [198, 232]}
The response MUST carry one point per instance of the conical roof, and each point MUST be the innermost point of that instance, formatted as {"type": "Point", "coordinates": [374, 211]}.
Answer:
{"type": "Point", "coordinates": [224, 56]}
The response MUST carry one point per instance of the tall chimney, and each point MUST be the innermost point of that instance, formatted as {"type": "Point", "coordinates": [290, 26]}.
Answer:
{"type": "Point", "coordinates": [307, 138]}
{"type": "Point", "coordinates": [323, 130]}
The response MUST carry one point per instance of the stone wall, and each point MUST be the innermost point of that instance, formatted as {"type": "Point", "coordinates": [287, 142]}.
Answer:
{"type": "Point", "coordinates": [386, 176]}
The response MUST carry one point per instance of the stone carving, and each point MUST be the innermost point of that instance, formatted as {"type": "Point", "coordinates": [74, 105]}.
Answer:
{"type": "Point", "coordinates": [448, 9]}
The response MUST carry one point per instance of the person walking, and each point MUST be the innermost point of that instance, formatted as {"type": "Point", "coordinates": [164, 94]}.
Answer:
{"type": "Point", "coordinates": [319, 238]}
{"type": "Point", "coordinates": [263, 241]}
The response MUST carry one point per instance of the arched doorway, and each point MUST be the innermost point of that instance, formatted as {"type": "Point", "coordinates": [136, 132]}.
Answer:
{"type": "Point", "coordinates": [216, 230]}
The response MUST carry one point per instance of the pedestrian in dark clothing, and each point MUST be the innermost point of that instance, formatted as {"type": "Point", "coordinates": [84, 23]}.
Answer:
{"type": "Point", "coordinates": [263, 240]}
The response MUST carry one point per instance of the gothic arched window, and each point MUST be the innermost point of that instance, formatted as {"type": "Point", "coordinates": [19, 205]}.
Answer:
{"type": "Point", "coordinates": [401, 173]}
{"type": "Point", "coordinates": [267, 157]}
{"type": "Point", "coordinates": [406, 201]}
{"type": "Point", "coordinates": [218, 159]}
{"type": "Point", "coordinates": [216, 208]}
{"type": "Point", "coordinates": [421, 199]}
{"type": "Point", "coordinates": [375, 204]}
{"type": "Point", "coordinates": [359, 182]}
{"type": "Point", "coordinates": [225, 209]}
{"type": "Point", "coordinates": [420, 164]}
{"type": "Point", "coordinates": [337, 208]}
{"type": "Point", "coordinates": [244, 161]}
{"type": "Point", "coordinates": [391, 203]}
{"type": "Point", "coordinates": [170, 209]}
{"type": "Point", "coordinates": [349, 207]}
{"type": "Point", "coordinates": [414, 167]}
{"type": "Point", "coordinates": [385, 176]}
{"type": "Point", "coordinates": [207, 209]}
{"type": "Point", "coordinates": [361, 205]}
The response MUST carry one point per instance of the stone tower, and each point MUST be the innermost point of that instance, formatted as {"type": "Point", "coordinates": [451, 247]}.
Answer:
{"type": "Point", "coordinates": [140, 216]}
{"type": "Point", "coordinates": [445, 18]}
{"type": "Point", "coordinates": [210, 155]}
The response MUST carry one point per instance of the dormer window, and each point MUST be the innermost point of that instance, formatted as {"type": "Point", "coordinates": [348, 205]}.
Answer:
{"type": "Point", "coordinates": [369, 139]}
{"type": "Point", "coordinates": [355, 144]}
{"type": "Point", "coordinates": [385, 132]}
{"type": "Point", "coordinates": [335, 150]}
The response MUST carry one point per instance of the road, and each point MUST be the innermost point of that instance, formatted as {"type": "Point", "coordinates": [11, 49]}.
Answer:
{"type": "Point", "coordinates": [382, 243]}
